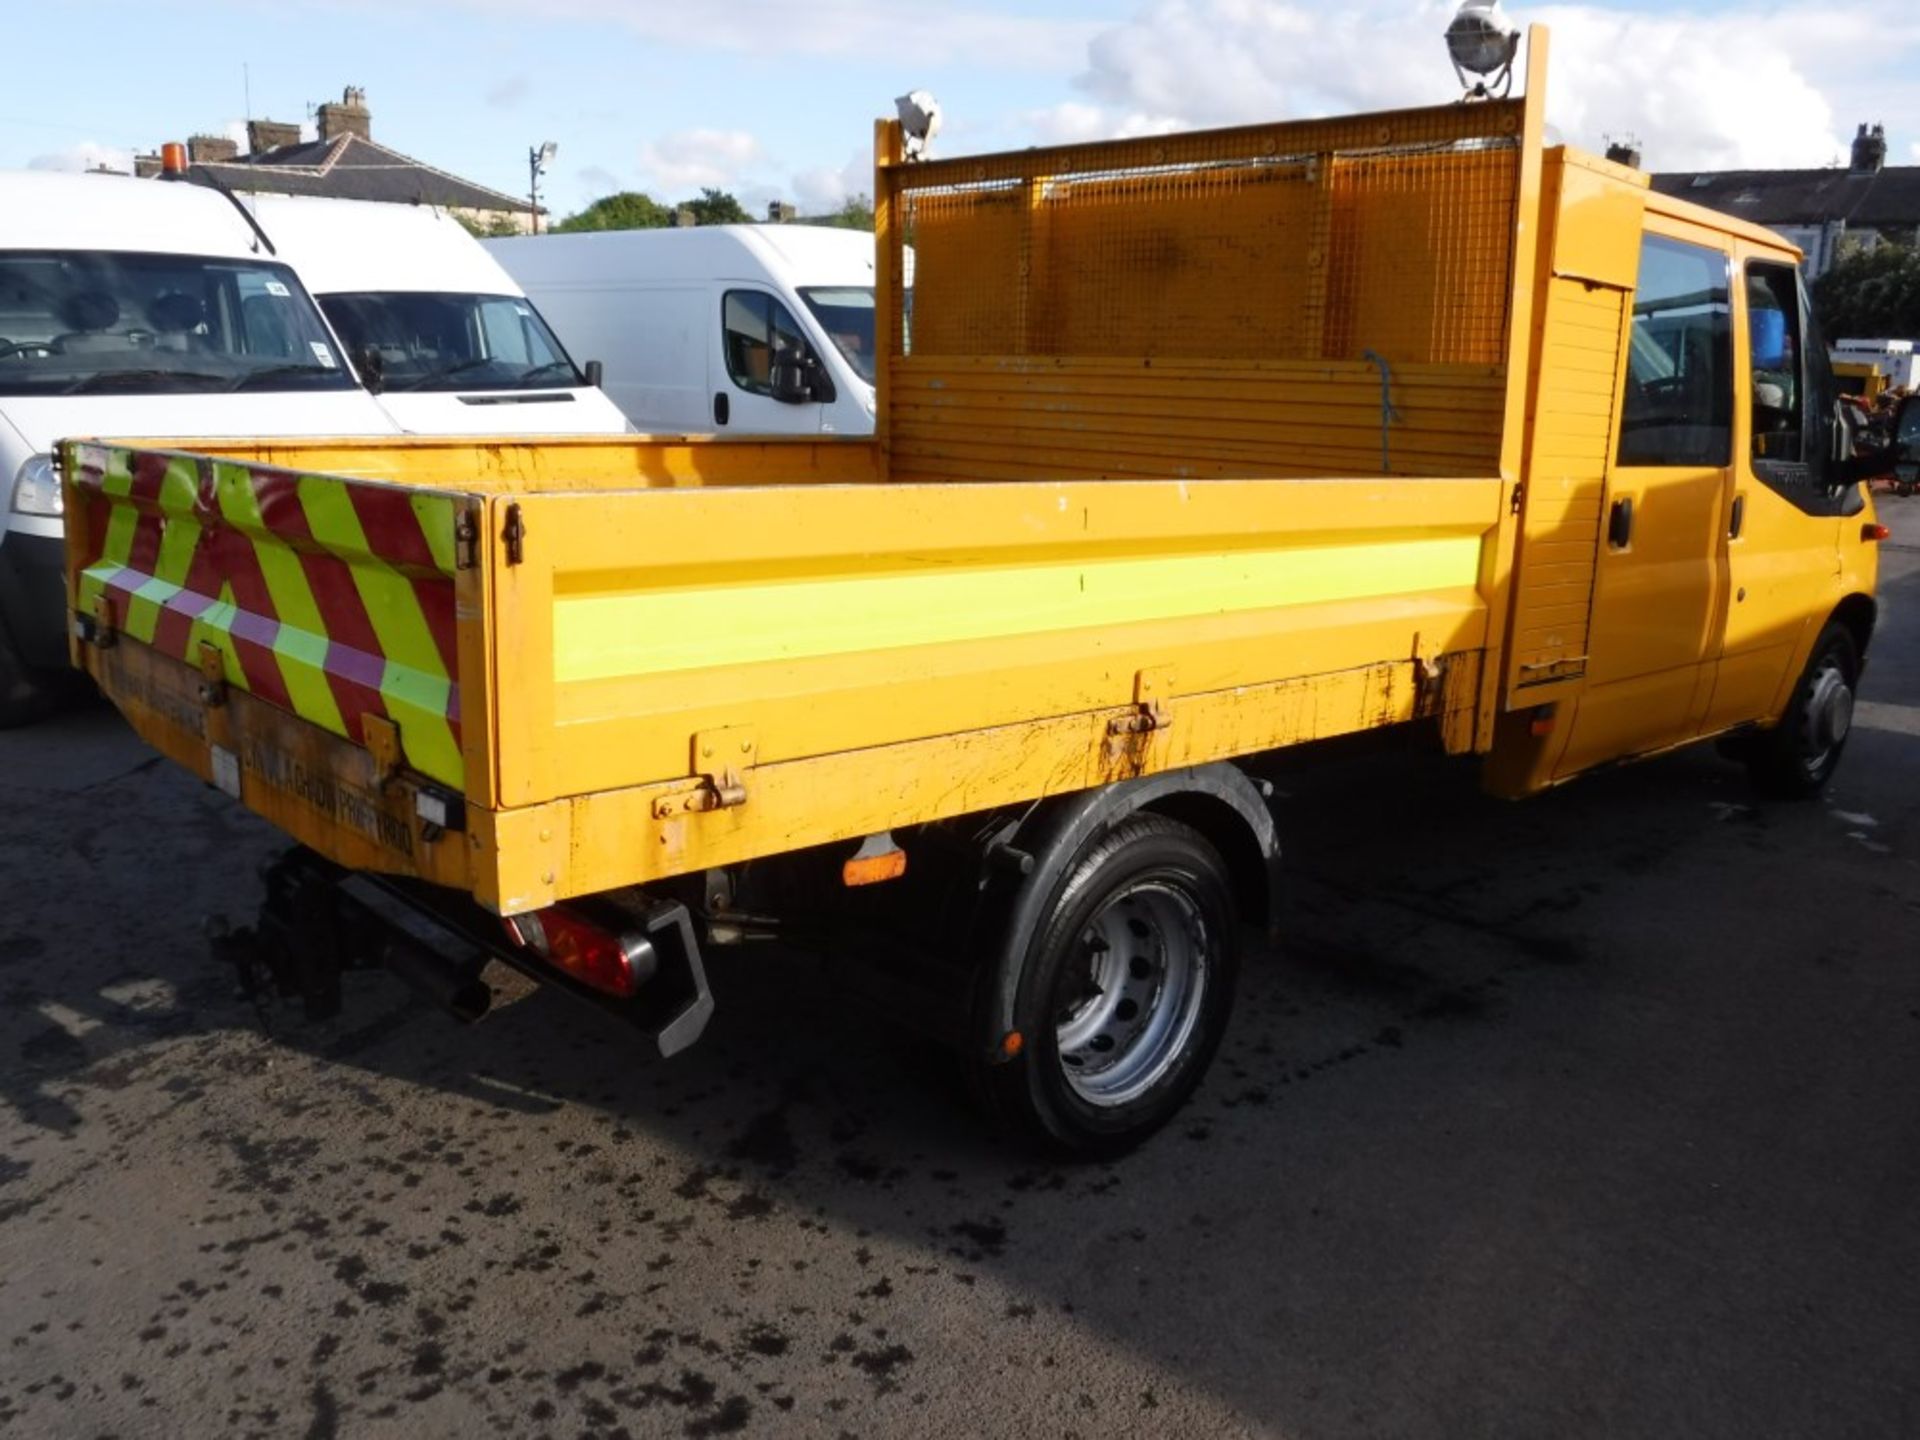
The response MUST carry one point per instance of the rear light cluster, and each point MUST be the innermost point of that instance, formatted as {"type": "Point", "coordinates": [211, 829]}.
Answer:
{"type": "Point", "coordinates": [613, 963]}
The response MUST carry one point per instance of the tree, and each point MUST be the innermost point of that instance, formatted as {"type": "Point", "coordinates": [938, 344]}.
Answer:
{"type": "Point", "coordinates": [1871, 294]}
{"type": "Point", "coordinates": [716, 207]}
{"type": "Point", "coordinates": [488, 229]}
{"type": "Point", "coordinates": [856, 214]}
{"type": "Point", "coordinates": [628, 210]}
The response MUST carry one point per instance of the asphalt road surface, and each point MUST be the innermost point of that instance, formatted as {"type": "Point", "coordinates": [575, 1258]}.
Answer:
{"type": "Point", "coordinates": [1595, 1115]}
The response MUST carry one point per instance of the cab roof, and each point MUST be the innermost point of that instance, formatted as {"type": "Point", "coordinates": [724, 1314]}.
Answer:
{"type": "Point", "coordinates": [343, 247]}
{"type": "Point", "coordinates": [45, 210]}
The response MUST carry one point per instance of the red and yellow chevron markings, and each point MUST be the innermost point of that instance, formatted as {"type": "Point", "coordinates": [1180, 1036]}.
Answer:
{"type": "Point", "coordinates": [331, 598]}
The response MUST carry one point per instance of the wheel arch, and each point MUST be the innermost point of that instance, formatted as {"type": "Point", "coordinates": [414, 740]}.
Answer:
{"type": "Point", "coordinates": [1859, 613]}
{"type": "Point", "coordinates": [1218, 801]}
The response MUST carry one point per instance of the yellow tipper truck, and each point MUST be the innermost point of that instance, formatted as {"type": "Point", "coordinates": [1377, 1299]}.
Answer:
{"type": "Point", "coordinates": [1188, 448]}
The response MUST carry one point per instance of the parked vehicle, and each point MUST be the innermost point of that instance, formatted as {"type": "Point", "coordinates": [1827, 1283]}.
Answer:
{"type": "Point", "coordinates": [730, 329]}
{"type": "Point", "coordinates": [1198, 447]}
{"type": "Point", "coordinates": [135, 308]}
{"type": "Point", "coordinates": [435, 328]}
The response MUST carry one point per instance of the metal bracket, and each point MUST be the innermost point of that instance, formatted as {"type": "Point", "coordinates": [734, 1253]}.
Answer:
{"type": "Point", "coordinates": [466, 540]}
{"type": "Point", "coordinates": [514, 533]}
{"type": "Point", "coordinates": [721, 759]}
{"type": "Point", "coordinates": [382, 737]}
{"type": "Point", "coordinates": [97, 628]}
{"type": "Point", "coordinates": [213, 674]}
{"type": "Point", "coordinates": [1152, 692]}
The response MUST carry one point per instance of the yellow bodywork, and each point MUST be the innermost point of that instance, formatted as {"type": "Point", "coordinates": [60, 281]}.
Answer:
{"type": "Point", "coordinates": [1192, 448]}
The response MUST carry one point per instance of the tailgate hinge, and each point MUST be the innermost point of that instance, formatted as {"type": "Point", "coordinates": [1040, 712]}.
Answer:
{"type": "Point", "coordinates": [1152, 691]}
{"type": "Point", "coordinates": [383, 743]}
{"type": "Point", "coordinates": [514, 533]}
{"type": "Point", "coordinates": [721, 758]}
{"type": "Point", "coordinates": [1519, 497]}
{"type": "Point", "coordinates": [213, 674]}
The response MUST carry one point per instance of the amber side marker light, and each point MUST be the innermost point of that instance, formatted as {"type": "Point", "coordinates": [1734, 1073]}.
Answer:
{"type": "Point", "coordinates": [1875, 532]}
{"type": "Point", "coordinates": [879, 859]}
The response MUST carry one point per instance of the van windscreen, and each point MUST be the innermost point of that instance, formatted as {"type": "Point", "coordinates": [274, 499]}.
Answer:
{"type": "Point", "coordinates": [435, 340]}
{"type": "Point", "coordinates": [102, 322]}
{"type": "Point", "coordinates": [846, 314]}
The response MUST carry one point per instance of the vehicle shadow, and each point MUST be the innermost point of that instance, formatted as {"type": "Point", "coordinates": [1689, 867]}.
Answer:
{"type": "Point", "coordinates": [1430, 1186]}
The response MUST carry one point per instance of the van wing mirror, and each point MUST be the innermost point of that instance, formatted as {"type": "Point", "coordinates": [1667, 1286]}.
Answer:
{"type": "Point", "coordinates": [790, 379]}
{"type": "Point", "coordinates": [595, 373]}
{"type": "Point", "coordinates": [372, 367]}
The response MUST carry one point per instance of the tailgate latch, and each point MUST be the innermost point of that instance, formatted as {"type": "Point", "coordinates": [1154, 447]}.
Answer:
{"type": "Point", "coordinates": [1151, 691]}
{"type": "Point", "coordinates": [721, 759]}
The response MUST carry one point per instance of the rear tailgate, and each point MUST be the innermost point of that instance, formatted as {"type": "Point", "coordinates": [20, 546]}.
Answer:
{"type": "Point", "coordinates": [292, 637]}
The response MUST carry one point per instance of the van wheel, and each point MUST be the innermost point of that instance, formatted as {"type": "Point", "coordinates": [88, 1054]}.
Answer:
{"type": "Point", "coordinates": [1123, 992]}
{"type": "Point", "coordinates": [1796, 759]}
{"type": "Point", "coordinates": [26, 694]}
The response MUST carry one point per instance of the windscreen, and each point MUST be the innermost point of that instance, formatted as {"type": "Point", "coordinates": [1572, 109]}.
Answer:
{"type": "Point", "coordinates": [846, 314]}
{"type": "Point", "coordinates": [421, 340]}
{"type": "Point", "coordinates": [98, 322]}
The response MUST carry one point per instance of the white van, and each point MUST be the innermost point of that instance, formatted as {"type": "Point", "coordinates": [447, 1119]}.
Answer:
{"type": "Point", "coordinates": [135, 308]}
{"type": "Point", "coordinates": [733, 329]}
{"type": "Point", "coordinates": [433, 325]}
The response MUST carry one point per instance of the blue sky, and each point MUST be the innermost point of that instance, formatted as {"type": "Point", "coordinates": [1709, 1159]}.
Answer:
{"type": "Point", "coordinates": [777, 99]}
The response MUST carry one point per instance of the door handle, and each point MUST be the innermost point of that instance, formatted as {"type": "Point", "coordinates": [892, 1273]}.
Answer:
{"type": "Point", "coordinates": [1620, 523]}
{"type": "Point", "coordinates": [722, 408]}
{"type": "Point", "coordinates": [1738, 518]}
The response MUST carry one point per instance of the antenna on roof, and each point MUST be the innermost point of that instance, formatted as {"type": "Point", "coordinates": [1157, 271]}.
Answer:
{"type": "Point", "coordinates": [246, 87]}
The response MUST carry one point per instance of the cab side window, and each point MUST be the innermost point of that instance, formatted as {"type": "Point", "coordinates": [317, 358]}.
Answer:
{"type": "Point", "coordinates": [1678, 406]}
{"type": "Point", "coordinates": [1774, 356]}
{"type": "Point", "coordinates": [757, 327]}
{"type": "Point", "coordinates": [1797, 432]}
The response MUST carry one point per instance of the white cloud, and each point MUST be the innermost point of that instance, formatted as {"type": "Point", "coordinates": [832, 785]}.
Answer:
{"type": "Point", "coordinates": [823, 189]}
{"type": "Point", "coordinates": [696, 159]}
{"type": "Point", "coordinates": [87, 155]}
{"type": "Point", "coordinates": [1700, 90]}
{"type": "Point", "coordinates": [995, 36]}
{"type": "Point", "coordinates": [1074, 122]}
{"type": "Point", "coordinates": [1914, 151]}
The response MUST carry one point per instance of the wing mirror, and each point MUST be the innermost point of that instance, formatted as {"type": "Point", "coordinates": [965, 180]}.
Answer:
{"type": "Point", "coordinates": [595, 373]}
{"type": "Point", "coordinates": [798, 376]}
{"type": "Point", "coordinates": [372, 367]}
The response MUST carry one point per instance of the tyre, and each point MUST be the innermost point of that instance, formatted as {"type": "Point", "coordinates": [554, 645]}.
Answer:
{"type": "Point", "coordinates": [1122, 993]}
{"type": "Point", "coordinates": [26, 694]}
{"type": "Point", "coordinates": [1796, 759]}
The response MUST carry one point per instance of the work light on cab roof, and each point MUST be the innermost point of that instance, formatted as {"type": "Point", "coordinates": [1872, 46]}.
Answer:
{"type": "Point", "coordinates": [919, 121]}
{"type": "Point", "coordinates": [1482, 41]}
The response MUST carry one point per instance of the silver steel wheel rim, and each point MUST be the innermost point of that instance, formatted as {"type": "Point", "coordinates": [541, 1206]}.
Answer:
{"type": "Point", "coordinates": [1131, 998]}
{"type": "Point", "coordinates": [1829, 713]}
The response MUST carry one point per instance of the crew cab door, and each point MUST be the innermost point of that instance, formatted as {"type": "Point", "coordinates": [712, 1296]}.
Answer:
{"type": "Point", "coordinates": [1783, 521]}
{"type": "Point", "coordinates": [1661, 568]}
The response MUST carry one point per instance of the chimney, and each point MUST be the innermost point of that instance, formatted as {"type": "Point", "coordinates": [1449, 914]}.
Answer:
{"type": "Point", "coordinates": [349, 117]}
{"type": "Point", "coordinates": [1869, 150]}
{"type": "Point", "coordinates": [270, 135]}
{"type": "Point", "coordinates": [1624, 151]}
{"type": "Point", "coordinates": [211, 149]}
{"type": "Point", "coordinates": [779, 212]}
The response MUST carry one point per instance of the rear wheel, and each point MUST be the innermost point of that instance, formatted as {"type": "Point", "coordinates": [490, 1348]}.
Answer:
{"type": "Point", "coordinates": [1796, 759]}
{"type": "Point", "coordinates": [1122, 993]}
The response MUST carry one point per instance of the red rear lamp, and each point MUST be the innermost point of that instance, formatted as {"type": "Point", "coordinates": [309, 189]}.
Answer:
{"type": "Point", "coordinates": [606, 960]}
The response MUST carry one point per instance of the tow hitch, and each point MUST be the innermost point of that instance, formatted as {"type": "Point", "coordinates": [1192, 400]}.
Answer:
{"type": "Point", "coordinates": [639, 962]}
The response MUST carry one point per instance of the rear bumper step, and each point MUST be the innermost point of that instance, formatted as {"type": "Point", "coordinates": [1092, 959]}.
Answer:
{"type": "Point", "coordinates": [319, 921]}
